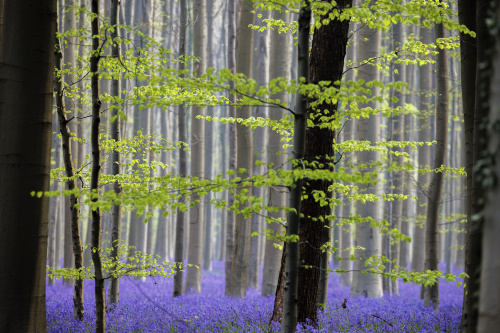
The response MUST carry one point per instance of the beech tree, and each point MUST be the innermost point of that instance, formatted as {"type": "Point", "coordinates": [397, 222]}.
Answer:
{"type": "Point", "coordinates": [27, 41]}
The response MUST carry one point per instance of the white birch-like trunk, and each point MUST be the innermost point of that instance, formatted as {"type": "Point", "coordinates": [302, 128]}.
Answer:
{"type": "Point", "coordinates": [244, 154]}
{"type": "Point", "coordinates": [369, 285]}
{"type": "Point", "coordinates": [279, 67]}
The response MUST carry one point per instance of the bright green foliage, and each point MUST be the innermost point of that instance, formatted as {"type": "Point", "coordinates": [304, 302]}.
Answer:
{"type": "Point", "coordinates": [138, 264]}
{"type": "Point", "coordinates": [163, 86]}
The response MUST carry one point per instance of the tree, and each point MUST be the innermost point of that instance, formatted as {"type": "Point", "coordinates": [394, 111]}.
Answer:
{"type": "Point", "coordinates": [326, 65]}
{"type": "Point", "coordinates": [244, 159]}
{"type": "Point", "coordinates": [431, 293]}
{"type": "Point", "coordinates": [196, 213]}
{"type": "Point", "coordinates": [424, 158]}
{"type": "Point", "coordinates": [280, 67]}
{"type": "Point", "coordinates": [369, 285]}
{"type": "Point", "coordinates": [231, 64]}
{"type": "Point", "coordinates": [179, 228]}
{"type": "Point", "coordinates": [100, 295]}
{"type": "Point", "coordinates": [489, 175]}
{"type": "Point", "coordinates": [115, 157]}
{"type": "Point", "coordinates": [70, 183]}
{"type": "Point", "coordinates": [290, 300]}
{"type": "Point", "coordinates": [27, 40]}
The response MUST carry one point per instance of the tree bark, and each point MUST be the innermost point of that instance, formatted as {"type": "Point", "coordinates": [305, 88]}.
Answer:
{"type": "Point", "coordinates": [279, 67]}
{"type": "Point", "coordinates": [399, 35]}
{"type": "Point", "coordinates": [181, 116]}
{"type": "Point", "coordinates": [431, 294]}
{"type": "Point", "coordinates": [290, 298]}
{"type": "Point", "coordinates": [244, 155]}
{"type": "Point", "coordinates": [209, 152]}
{"type": "Point", "coordinates": [196, 213]}
{"type": "Point", "coordinates": [326, 64]}
{"type": "Point", "coordinates": [70, 184]}
{"type": "Point", "coordinates": [27, 39]}
{"type": "Point", "coordinates": [368, 129]}
{"type": "Point", "coordinates": [261, 141]}
{"type": "Point", "coordinates": [231, 65]}
{"type": "Point", "coordinates": [425, 134]}
{"type": "Point", "coordinates": [489, 300]}
{"type": "Point", "coordinates": [100, 295]}
{"type": "Point", "coordinates": [115, 156]}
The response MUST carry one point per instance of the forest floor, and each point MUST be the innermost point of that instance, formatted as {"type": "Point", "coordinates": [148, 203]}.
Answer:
{"type": "Point", "coordinates": [148, 306]}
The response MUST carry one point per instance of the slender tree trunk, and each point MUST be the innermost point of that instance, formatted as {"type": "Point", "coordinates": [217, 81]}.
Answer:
{"type": "Point", "coordinates": [196, 213]}
{"type": "Point", "coordinates": [290, 298]}
{"type": "Point", "coordinates": [27, 39]}
{"type": "Point", "coordinates": [70, 184]}
{"type": "Point", "coordinates": [54, 201]}
{"type": "Point", "coordinates": [115, 156]}
{"type": "Point", "coordinates": [431, 294]}
{"type": "Point", "coordinates": [181, 116]}
{"type": "Point", "coordinates": [68, 54]}
{"type": "Point", "coordinates": [209, 152]}
{"type": "Point", "coordinates": [425, 134]}
{"type": "Point", "coordinates": [399, 36]}
{"type": "Point", "coordinates": [244, 155]}
{"type": "Point", "coordinates": [348, 134]}
{"type": "Point", "coordinates": [100, 295]}
{"type": "Point", "coordinates": [368, 129]}
{"type": "Point", "coordinates": [231, 65]}
{"type": "Point", "coordinates": [261, 141]}
{"type": "Point", "coordinates": [279, 67]}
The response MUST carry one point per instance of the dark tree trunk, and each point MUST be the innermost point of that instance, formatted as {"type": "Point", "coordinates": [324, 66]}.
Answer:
{"type": "Point", "coordinates": [468, 62]}
{"type": "Point", "coordinates": [27, 39]}
{"type": "Point", "coordinates": [280, 290]}
{"type": "Point", "coordinates": [70, 183]}
{"type": "Point", "coordinates": [326, 64]}
{"type": "Point", "coordinates": [100, 294]}
{"type": "Point", "coordinates": [115, 156]}
{"type": "Point", "coordinates": [476, 219]}
{"type": "Point", "coordinates": [290, 297]}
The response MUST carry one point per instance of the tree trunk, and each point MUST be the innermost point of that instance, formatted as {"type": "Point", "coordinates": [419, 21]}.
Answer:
{"type": "Point", "coordinates": [489, 174]}
{"type": "Point", "coordinates": [348, 134]}
{"type": "Point", "coordinates": [231, 65]}
{"type": "Point", "coordinates": [326, 64]}
{"type": "Point", "coordinates": [279, 67]}
{"type": "Point", "coordinates": [54, 201]}
{"type": "Point", "coordinates": [209, 152]}
{"type": "Point", "coordinates": [475, 199]}
{"type": "Point", "coordinates": [244, 155]}
{"type": "Point", "coordinates": [27, 39]}
{"type": "Point", "coordinates": [399, 35]}
{"type": "Point", "coordinates": [70, 184]}
{"type": "Point", "coordinates": [115, 156]}
{"type": "Point", "coordinates": [196, 213]}
{"type": "Point", "coordinates": [369, 285]}
{"type": "Point", "coordinates": [100, 295]}
{"type": "Point", "coordinates": [431, 294]}
{"type": "Point", "coordinates": [181, 116]}
{"type": "Point", "coordinates": [261, 141]}
{"type": "Point", "coordinates": [468, 61]}
{"type": "Point", "coordinates": [425, 134]}
{"type": "Point", "coordinates": [290, 298]}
